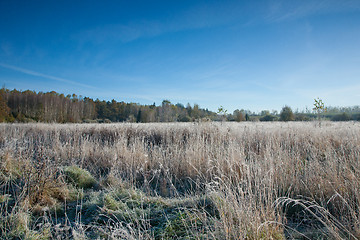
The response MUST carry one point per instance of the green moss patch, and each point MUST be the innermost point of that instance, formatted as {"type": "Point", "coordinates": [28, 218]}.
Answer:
{"type": "Point", "coordinates": [79, 177]}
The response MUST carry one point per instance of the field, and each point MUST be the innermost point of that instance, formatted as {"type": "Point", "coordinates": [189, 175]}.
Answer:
{"type": "Point", "coordinates": [180, 181]}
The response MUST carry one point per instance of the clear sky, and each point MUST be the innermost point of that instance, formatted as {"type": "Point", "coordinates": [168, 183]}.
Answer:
{"type": "Point", "coordinates": [257, 55]}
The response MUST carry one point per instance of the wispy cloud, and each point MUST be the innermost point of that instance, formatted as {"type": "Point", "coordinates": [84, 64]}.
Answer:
{"type": "Point", "coordinates": [37, 74]}
{"type": "Point", "coordinates": [120, 32]}
{"type": "Point", "coordinates": [211, 15]}
{"type": "Point", "coordinates": [112, 33]}
{"type": "Point", "coordinates": [289, 10]}
{"type": "Point", "coordinates": [196, 17]}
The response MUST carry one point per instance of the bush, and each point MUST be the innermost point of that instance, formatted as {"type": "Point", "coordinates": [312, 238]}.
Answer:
{"type": "Point", "coordinates": [286, 114]}
{"type": "Point", "coordinates": [341, 117]}
{"type": "Point", "coordinates": [302, 117]}
{"type": "Point", "coordinates": [267, 118]}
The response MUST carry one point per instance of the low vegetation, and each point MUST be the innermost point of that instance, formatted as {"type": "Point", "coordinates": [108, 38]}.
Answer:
{"type": "Point", "coordinates": [283, 180]}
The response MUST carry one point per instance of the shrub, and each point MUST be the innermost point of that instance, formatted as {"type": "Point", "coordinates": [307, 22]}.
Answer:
{"type": "Point", "coordinates": [286, 114]}
{"type": "Point", "coordinates": [268, 118]}
{"type": "Point", "coordinates": [341, 117]}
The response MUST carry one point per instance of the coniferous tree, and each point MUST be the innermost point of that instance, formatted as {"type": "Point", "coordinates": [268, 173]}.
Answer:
{"type": "Point", "coordinates": [4, 109]}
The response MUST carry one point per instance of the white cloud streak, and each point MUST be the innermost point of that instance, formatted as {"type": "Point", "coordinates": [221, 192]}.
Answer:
{"type": "Point", "coordinates": [196, 17]}
{"type": "Point", "coordinates": [284, 10]}
{"type": "Point", "coordinates": [211, 15]}
{"type": "Point", "coordinates": [37, 74]}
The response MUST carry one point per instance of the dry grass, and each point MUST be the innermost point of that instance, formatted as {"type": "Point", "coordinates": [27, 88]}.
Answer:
{"type": "Point", "coordinates": [259, 180]}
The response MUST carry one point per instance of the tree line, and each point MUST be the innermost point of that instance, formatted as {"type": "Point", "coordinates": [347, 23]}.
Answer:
{"type": "Point", "coordinates": [31, 106]}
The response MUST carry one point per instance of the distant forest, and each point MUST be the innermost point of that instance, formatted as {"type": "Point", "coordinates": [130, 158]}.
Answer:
{"type": "Point", "coordinates": [31, 106]}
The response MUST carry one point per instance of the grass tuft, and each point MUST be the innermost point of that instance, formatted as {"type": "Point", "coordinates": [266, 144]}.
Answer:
{"type": "Point", "coordinates": [79, 177]}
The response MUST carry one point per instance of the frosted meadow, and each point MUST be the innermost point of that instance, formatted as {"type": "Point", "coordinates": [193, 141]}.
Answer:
{"type": "Point", "coordinates": [180, 181]}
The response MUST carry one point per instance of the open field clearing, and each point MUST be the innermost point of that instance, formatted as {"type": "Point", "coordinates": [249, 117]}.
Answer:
{"type": "Point", "coordinates": [180, 181]}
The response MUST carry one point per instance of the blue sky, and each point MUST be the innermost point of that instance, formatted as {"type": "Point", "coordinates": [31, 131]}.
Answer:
{"type": "Point", "coordinates": [257, 55]}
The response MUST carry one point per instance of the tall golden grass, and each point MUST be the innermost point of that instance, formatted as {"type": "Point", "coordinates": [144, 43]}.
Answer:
{"type": "Point", "coordinates": [266, 180]}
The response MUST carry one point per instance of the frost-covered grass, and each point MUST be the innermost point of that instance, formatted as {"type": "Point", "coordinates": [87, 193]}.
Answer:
{"type": "Point", "coordinates": [180, 180]}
